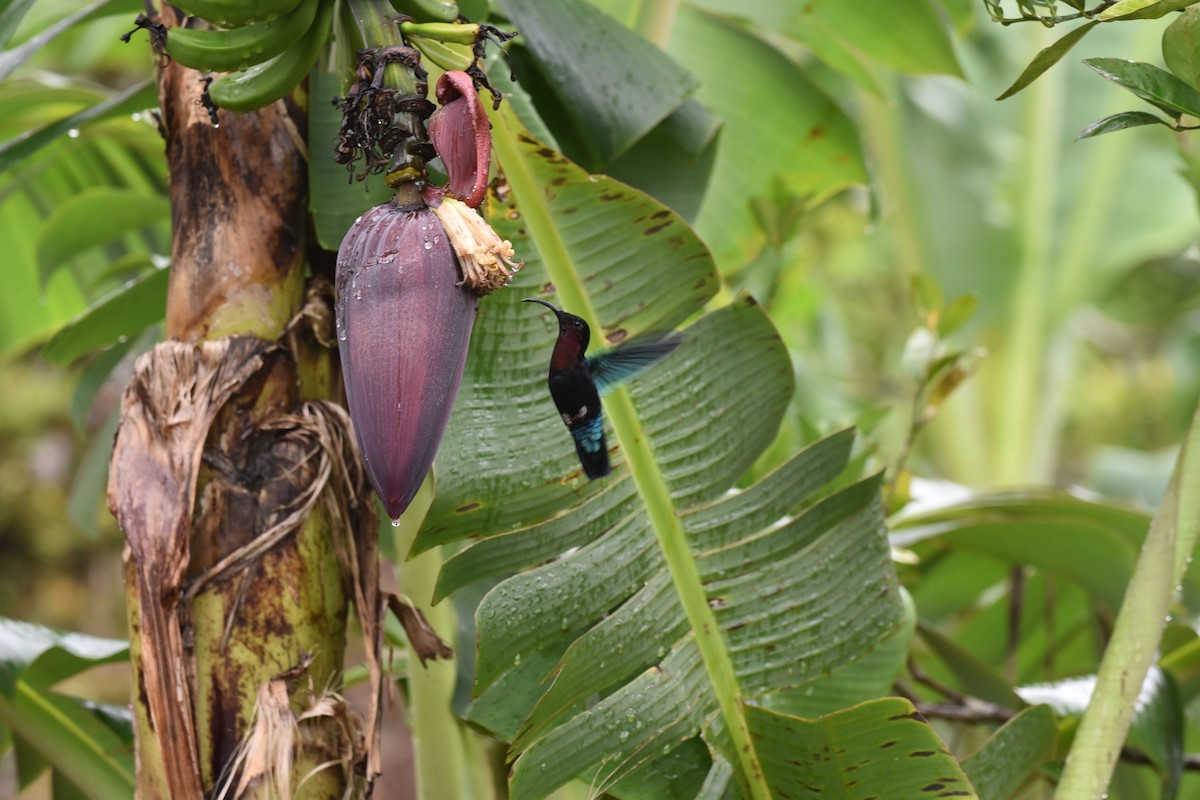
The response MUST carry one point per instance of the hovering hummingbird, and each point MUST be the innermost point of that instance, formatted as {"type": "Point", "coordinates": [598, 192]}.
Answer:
{"type": "Point", "coordinates": [577, 381]}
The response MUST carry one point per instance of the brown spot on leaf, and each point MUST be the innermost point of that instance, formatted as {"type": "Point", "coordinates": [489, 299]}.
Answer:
{"type": "Point", "coordinates": [468, 507]}
{"type": "Point", "coordinates": [653, 229]}
{"type": "Point", "coordinates": [922, 753]}
{"type": "Point", "coordinates": [619, 335]}
{"type": "Point", "coordinates": [886, 745]}
{"type": "Point", "coordinates": [569, 210]}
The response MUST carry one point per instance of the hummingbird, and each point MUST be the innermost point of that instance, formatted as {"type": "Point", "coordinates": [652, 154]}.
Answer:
{"type": "Point", "coordinates": [577, 381]}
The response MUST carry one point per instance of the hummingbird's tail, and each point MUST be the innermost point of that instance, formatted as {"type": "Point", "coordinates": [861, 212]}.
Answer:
{"type": "Point", "coordinates": [591, 448]}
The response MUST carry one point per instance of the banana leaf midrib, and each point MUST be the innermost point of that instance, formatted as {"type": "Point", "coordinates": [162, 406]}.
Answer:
{"type": "Point", "coordinates": [628, 427]}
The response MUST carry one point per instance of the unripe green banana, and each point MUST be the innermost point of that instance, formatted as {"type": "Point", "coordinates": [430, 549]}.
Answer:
{"type": "Point", "coordinates": [457, 33]}
{"type": "Point", "coordinates": [446, 56]}
{"type": "Point", "coordinates": [428, 10]}
{"type": "Point", "coordinates": [236, 13]}
{"type": "Point", "coordinates": [265, 83]}
{"type": "Point", "coordinates": [240, 48]}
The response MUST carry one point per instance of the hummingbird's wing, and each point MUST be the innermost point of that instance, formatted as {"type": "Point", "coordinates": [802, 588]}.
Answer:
{"type": "Point", "coordinates": [612, 367]}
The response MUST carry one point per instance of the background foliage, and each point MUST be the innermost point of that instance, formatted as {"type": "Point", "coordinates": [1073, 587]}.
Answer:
{"type": "Point", "coordinates": [1008, 315]}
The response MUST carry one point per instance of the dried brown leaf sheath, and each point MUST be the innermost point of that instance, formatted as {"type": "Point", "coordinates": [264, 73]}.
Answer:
{"type": "Point", "coordinates": [298, 475]}
{"type": "Point", "coordinates": [170, 404]}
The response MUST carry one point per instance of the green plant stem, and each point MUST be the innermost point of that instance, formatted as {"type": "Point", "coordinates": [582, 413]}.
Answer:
{"type": "Point", "coordinates": [439, 752]}
{"type": "Point", "coordinates": [1134, 644]}
{"type": "Point", "coordinates": [957, 430]}
{"type": "Point", "coordinates": [1075, 273]}
{"type": "Point", "coordinates": [1022, 359]}
{"type": "Point", "coordinates": [640, 457]}
{"type": "Point", "coordinates": [655, 20]}
{"type": "Point", "coordinates": [71, 750]}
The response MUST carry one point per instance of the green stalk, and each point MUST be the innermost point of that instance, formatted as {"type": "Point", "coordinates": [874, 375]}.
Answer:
{"type": "Point", "coordinates": [655, 20]}
{"type": "Point", "coordinates": [957, 432]}
{"type": "Point", "coordinates": [1022, 359]}
{"type": "Point", "coordinates": [1075, 267]}
{"type": "Point", "coordinates": [1138, 630]}
{"type": "Point", "coordinates": [68, 747]}
{"type": "Point", "coordinates": [370, 24]}
{"type": "Point", "coordinates": [439, 753]}
{"type": "Point", "coordinates": [638, 454]}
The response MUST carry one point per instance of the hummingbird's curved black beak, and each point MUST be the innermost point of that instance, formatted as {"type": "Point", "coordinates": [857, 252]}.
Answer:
{"type": "Point", "coordinates": [557, 311]}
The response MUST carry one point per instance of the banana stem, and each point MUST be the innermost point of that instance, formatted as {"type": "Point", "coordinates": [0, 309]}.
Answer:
{"type": "Point", "coordinates": [443, 770]}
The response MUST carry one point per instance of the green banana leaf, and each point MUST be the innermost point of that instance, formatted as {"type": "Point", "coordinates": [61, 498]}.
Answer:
{"type": "Point", "coordinates": [89, 745]}
{"type": "Point", "coordinates": [660, 601]}
{"type": "Point", "coordinates": [117, 155]}
{"type": "Point", "coordinates": [1012, 753]}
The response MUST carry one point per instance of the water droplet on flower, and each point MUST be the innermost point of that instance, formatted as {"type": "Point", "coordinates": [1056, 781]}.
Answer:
{"type": "Point", "coordinates": [428, 245]}
{"type": "Point", "coordinates": [73, 133]}
{"type": "Point", "coordinates": [396, 523]}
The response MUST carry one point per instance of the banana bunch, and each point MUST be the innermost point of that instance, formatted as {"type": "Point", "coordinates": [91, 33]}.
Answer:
{"type": "Point", "coordinates": [267, 46]}
{"type": "Point", "coordinates": [427, 10]}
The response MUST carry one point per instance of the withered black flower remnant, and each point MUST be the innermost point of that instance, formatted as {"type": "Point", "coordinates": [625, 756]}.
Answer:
{"type": "Point", "coordinates": [403, 329]}
{"type": "Point", "coordinates": [379, 121]}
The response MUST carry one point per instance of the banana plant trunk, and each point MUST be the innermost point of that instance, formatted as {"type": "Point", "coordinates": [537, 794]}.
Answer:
{"type": "Point", "coordinates": [236, 484]}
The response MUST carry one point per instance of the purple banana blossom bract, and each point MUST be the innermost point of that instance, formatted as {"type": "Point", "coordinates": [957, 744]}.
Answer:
{"type": "Point", "coordinates": [403, 329]}
{"type": "Point", "coordinates": [460, 133]}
